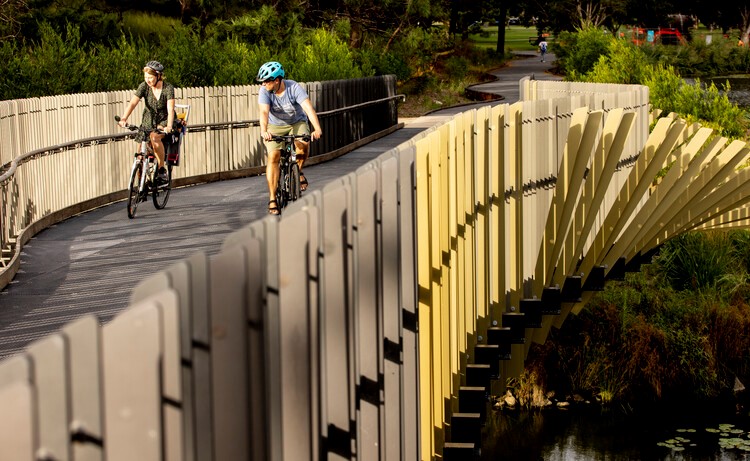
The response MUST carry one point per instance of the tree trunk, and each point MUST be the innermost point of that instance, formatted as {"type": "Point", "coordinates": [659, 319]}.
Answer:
{"type": "Point", "coordinates": [502, 18]}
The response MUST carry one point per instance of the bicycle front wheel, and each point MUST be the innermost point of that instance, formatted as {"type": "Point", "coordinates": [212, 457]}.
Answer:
{"type": "Point", "coordinates": [134, 195]}
{"type": "Point", "coordinates": [161, 190]}
{"type": "Point", "coordinates": [280, 195]}
{"type": "Point", "coordinates": [294, 184]}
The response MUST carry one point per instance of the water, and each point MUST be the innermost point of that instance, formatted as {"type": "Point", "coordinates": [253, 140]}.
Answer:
{"type": "Point", "coordinates": [592, 434]}
{"type": "Point", "coordinates": [739, 86]}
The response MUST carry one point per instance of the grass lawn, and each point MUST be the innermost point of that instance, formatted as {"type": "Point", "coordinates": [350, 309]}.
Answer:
{"type": "Point", "coordinates": [516, 38]}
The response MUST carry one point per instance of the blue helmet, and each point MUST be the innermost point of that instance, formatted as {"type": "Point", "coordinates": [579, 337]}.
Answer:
{"type": "Point", "coordinates": [270, 70]}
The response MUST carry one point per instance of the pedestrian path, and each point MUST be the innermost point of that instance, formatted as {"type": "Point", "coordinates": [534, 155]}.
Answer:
{"type": "Point", "coordinates": [90, 263]}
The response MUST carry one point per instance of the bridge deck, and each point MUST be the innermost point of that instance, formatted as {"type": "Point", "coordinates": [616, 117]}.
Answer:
{"type": "Point", "coordinates": [89, 264]}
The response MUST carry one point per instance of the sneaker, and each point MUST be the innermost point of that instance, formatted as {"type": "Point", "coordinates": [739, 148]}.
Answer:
{"type": "Point", "coordinates": [162, 176]}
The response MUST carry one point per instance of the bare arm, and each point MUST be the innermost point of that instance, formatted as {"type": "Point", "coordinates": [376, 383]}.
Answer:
{"type": "Point", "coordinates": [265, 109]}
{"type": "Point", "coordinates": [129, 110]}
{"type": "Point", "coordinates": [170, 117]}
{"type": "Point", "coordinates": [313, 117]}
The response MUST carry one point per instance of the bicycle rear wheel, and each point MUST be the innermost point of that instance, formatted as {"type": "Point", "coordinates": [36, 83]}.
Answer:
{"type": "Point", "coordinates": [160, 193]}
{"type": "Point", "coordinates": [134, 195]}
{"type": "Point", "coordinates": [294, 184]}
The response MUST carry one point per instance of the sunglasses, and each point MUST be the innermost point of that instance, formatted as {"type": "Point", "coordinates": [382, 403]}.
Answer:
{"type": "Point", "coordinates": [270, 80]}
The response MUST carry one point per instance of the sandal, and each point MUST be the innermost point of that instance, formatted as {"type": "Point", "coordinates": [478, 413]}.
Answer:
{"type": "Point", "coordinates": [302, 182]}
{"type": "Point", "coordinates": [273, 209]}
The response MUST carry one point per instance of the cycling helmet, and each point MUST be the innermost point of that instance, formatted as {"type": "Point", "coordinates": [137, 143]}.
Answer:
{"type": "Point", "coordinates": [156, 66]}
{"type": "Point", "coordinates": [270, 70]}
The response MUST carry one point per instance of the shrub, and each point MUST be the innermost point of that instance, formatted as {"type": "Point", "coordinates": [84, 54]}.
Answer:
{"type": "Point", "coordinates": [577, 53]}
{"type": "Point", "coordinates": [321, 55]}
{"type": "Point", "coordinates": [622, 63]}
{"type": "Point", "coordinates": [665, 334]}
{"type": "Point", "coordinates": [626, 63]}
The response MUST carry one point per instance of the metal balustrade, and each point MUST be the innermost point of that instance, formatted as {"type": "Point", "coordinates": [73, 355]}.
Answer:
{"type": "Point", "coordinates": [372, 318]}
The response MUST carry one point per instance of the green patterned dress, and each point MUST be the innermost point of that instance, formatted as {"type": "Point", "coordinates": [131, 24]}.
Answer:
{"type": "Point", "coordinates": [155, 110]}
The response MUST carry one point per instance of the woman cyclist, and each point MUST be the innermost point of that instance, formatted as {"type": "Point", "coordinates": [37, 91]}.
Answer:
{"type": "Point", "coordinates": [158, 112]}
{"type": "Point", "coordinates": [285, 108]}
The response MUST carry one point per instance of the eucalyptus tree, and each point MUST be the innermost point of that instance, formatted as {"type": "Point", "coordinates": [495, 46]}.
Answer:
{"type": "Point", "coordinates": [385, 18]}
{"type": "Point", "coordinates": [11, 12]}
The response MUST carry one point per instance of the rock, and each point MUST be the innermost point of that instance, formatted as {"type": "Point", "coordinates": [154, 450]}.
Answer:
{"type": "Point", "coordinates": [738, 386]}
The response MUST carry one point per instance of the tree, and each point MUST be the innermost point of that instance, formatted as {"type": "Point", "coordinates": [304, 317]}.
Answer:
{"type": "Point", "coordinates": [10, 12]}
{"type": "Point", "coordinates": [378, 17]}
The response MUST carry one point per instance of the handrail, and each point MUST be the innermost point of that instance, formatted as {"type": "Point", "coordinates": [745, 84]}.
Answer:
{"type": "Point", "coordinates": [97, 140]}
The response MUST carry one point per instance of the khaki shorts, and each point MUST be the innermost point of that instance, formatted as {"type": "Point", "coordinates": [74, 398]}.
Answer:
{"type": "Point", "coordinates": [281, 130]}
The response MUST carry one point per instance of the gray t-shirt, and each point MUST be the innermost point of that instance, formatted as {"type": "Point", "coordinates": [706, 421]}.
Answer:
{"type": "Point", "coordinates": [287, 109]}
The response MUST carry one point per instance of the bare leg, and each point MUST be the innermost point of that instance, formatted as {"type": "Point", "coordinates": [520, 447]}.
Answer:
{"type": "Point", "coordinates": [272, 172]}
{"type": "Point", "coordinates": [302, 148]}
{"type": "Point", "coordinates": [158, 147]}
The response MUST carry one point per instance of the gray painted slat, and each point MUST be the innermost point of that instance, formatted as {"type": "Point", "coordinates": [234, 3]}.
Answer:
{"type": "Point", "coordinates": [200, 375]}
{"type": "Point", "coordinates": [295, 349]}
{"type": "Point", "coordinates": [338, 389]}
{"type": "Point", "coordinates": [50, 376]}
{"type": "Point", "coordinates": [368, 318]}
{"type": "Point", "coordinates": [171, 374]}
{"type": "Point", "coordinates": [406, 189]}
{"type": "Point", "coordinates": [391, 305]}
{"type": "Point", "coordinates": [84, 340]}
{"type": "Point", "coordinates": [229, 380]}
{"type": "Point", "coordinates": [132, 397]}
{"type": "Point", "coordinates": [17, 421]}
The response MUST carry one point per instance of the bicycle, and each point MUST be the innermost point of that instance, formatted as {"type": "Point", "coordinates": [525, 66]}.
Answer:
{"type": "Point", "coordinates": [143, 175]}
{"type": "Point", "coordinates": [288, 186]}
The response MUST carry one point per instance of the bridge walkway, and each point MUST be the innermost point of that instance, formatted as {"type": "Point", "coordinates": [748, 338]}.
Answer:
{"type": "Point", "coordinates": [89, 264]}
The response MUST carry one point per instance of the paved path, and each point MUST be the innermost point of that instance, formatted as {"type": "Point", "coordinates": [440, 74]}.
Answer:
{"type": "Point", "coordinates": [89, 264]}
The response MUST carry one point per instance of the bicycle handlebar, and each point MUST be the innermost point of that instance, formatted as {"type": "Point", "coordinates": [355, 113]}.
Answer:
{"type": "Point", "coordinates": [291, 137]}
{"type": "Point", "coordinates": [136, 127]}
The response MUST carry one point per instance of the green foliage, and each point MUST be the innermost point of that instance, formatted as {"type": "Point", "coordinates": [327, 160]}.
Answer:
{"type": "Point", "coordinates": [698, 59]}
{"type": "Point", "coordinates": [420, 47]}
{"type": "Point", "coordinates": [456, 66]}
{"type": "Point", "coordinates": [696, 260]}
{"type": "Point", "coordinates": [96, 24]}
{"type": "Point", "coordinates": [148, 26]}
{"type": "Point", "coordinates": [321, 55]}
{"type": "Point", "coordinates": [623, 62]}
{"type": "Point", "coordinates": [668, 333]}
{"type": "Point", "coordinates": [221, 52]}
{"type": "Point", "coordinates": [190, 60]}
{"type": "Point", "coordinates": [577, 53]}
{"type": "Point", "coordinates": [54, 56]}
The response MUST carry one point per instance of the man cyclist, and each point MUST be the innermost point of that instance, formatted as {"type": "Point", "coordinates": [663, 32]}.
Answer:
{"type": "Point", "coordinates": [285, 108]}
{"type": "Point", "coordinates": [158, 112]}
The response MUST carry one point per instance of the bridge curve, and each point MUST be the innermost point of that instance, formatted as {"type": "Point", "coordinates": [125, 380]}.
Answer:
{"type": "Point", "coordinates": [427, 273]}
{"type": "Point", "coordinates": [89, 264]}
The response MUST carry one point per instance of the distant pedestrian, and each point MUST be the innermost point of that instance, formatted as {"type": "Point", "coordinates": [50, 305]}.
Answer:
{"type": "Point", "coordinates": [543, 48]}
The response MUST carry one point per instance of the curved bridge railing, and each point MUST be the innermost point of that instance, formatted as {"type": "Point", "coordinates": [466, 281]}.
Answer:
{"type": "Point", "coordinates": [57, 163]}
{"type": "Point", "coordinates": [370, 320]}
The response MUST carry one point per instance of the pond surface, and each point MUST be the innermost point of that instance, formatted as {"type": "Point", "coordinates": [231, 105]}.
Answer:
{"type": "Point", "coordinates": [588, 433]}
{"type": "Point", "coordinates": [739, 88]}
